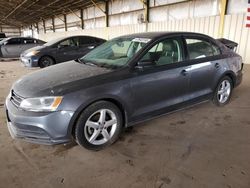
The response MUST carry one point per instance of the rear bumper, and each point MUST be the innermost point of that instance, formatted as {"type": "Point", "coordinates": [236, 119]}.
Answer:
{"type": "Point", "coordinates": [41, 128]}
{"type": "Point", "coordinates": [1, 55]}
{"type": "Point", "coordinates": [239, 78]}
{"type": "Point", "coordinates": [29, 61]}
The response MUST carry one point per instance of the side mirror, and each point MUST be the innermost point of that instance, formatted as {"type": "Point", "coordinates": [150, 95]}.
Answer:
{"type": "Point", "coordinates": [91, 47]}
{"type": "Point", "coordinates": [145, 64]}
{"type": "Point", "coordinates": [59, 46]}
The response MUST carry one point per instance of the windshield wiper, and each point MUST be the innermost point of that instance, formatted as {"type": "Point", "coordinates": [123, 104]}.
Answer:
{"type": "Point", "coordinates": [87, 62]}
{"type": "Point", "coordinates": [91, 63]}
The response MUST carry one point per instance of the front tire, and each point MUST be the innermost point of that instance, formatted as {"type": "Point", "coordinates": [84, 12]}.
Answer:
{"type": "Point", "coordinates": [99, 125]}
{"type": "Point", "coordinates": [46, 61]}
{"type": "Point", "coordinates": [223, 91]}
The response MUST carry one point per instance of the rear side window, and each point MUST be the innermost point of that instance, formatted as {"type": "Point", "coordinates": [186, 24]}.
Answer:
{"type": "Point", "coordinates": [39, 42]}
{"type": "Point", "coordinates": [86, 40]}
{"type": "Point", "coordinates": [99, 40]}
{"type": "Point", "coordinates": [198, 48]}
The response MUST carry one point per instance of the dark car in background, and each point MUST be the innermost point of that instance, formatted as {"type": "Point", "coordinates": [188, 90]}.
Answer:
{"type": "Point", "coordinates": [60, 50]}
{"type": "Point", "coordinates": [2, 36]}
{"type": "Point", "coordinates": [12, 47]}
{"type": "Point", "coordinates": [125, 81]}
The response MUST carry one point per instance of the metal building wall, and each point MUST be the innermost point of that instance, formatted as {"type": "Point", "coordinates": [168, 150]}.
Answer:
{"type": "Point", "coordinates": [10, 30]}
{"type": "Point", "coordinates": [196, 16]}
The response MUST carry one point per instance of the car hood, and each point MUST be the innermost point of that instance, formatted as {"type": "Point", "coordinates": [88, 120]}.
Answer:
{"type": "Point", "coordinates": [57, 79]}
{"type": "Point", "coordinates": [36, 48]}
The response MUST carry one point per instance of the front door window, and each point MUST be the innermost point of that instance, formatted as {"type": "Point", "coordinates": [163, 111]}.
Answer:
{"type": "Point", "coordinates": [165, 52]}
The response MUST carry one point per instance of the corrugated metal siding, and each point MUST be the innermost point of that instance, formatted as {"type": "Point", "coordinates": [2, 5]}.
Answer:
{"type": "Point", "coordinates": [10, 30]}
{"type": "Point", "coordinates": [206, 25]}
{"type": "Point", "coordinates": [234, 29]}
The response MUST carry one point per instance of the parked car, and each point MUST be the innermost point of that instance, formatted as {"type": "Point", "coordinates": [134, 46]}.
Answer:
{"type": "Point", "coordinates": [60, 50]}
{"type": "Point", "coordinates": [2, 36]}
{"type": "Point", "coordinates": [126, 80]}
{"type": "Point", "coordinates": [12, 47]}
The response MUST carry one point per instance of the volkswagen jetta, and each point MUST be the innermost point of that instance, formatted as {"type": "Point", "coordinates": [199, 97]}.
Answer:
{"type": "Point", "coordinates": [122, 82]}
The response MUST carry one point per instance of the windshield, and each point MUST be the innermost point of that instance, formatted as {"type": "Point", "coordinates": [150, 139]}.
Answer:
{"type": "Point", "coordinates": [116, 52]}
{"type": "Point", "coordinates": [3, 40]}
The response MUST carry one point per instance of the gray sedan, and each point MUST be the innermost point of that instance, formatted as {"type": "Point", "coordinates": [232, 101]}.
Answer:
{"type": "Point", "coordinates": [124, 81]}
{"type": "Point", "coordinates": [14, 46]}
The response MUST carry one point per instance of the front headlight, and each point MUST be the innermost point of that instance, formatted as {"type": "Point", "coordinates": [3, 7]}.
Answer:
{"type": "Point", "coordinates": [29, 54]}
{"type": "Point", "coordinates": [41, 104]}
{"type": "Point", "coordinates": [9, 95]}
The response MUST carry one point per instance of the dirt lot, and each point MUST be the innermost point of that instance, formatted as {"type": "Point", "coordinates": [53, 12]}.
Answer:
{"type": "Point", "coordinates": [204, 146]}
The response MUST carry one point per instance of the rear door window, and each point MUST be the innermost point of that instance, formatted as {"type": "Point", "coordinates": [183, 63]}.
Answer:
{"type": "Point", "coordinates": [198, 48]}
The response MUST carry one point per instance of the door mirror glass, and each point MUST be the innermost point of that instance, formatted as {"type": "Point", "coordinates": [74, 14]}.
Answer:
{"type": "Point", "coordinates": [91, 47]}
{"type": "Point", "coordinates": [59, 46]}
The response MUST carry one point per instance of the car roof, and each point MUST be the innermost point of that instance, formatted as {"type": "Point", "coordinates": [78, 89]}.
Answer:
{"type": "Point", "coordinates": [153, 35]}
{"type": "Point", "coordinates": [21, 38]}
{"type": "Point", "coordinates": [62, 38]}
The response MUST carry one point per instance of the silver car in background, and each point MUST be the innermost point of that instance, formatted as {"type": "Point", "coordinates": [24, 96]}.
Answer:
{"type": "Point", "coordinates": [12, 47]}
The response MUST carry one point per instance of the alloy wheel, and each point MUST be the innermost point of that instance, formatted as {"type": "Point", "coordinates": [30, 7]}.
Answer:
{"type": "Point", "coordinates": [224, 91]}
{"type": "Point", "coordinates": [100, 127]}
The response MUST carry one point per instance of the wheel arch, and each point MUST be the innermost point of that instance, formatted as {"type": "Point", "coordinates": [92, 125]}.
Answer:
{"type": "Point", "coordinates": [78, 112]}
{"type": "Point", "coordinates": [231, 75]}
{"type": "Point", "coordinates": [47, 56]}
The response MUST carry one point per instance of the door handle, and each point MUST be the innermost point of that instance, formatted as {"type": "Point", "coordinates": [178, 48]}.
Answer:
{"type": "Point", "coordinates": [217, 65]}
{"type": "Point", "coordinates": [184, 72]}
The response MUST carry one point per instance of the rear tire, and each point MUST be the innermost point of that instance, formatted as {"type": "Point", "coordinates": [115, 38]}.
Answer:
{"type": "Point", "coordinates": [99, 125]}
{"type": "Point", "coordinates": [223, 91]}
{"type": "Point", "coordinates": [46, 61]}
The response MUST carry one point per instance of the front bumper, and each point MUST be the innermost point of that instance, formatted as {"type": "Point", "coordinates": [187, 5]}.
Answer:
{"type": "Point", "coordinates": [29, 61]}
{"type": "Point", "coordinates": [41, 128]}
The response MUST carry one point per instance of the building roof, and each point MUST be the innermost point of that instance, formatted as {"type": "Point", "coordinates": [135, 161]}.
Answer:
{"type": "Point", "coordinates": [25, 12]}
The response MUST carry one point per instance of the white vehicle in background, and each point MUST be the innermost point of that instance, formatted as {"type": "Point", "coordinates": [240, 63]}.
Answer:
{"type": "Point", "coordinates": [12, 47]}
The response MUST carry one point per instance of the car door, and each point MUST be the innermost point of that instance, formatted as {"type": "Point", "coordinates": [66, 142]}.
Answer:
{"type": "Point", "coordinates": [67, 49]}
{"type": "Point", "coordinates": [203, 58]}
{"type": "Point", "coordinates": [12, 48]}
{"type": "Point", "coordinates": [164, 85]}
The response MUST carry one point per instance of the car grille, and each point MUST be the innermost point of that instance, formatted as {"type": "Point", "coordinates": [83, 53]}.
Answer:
{"type": "Point", "coordinates": [15, 99]}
